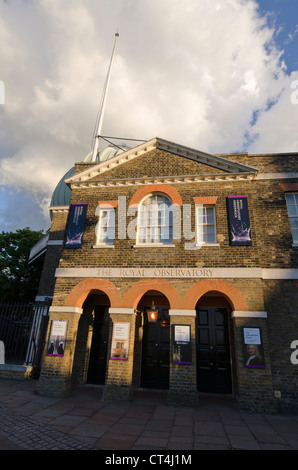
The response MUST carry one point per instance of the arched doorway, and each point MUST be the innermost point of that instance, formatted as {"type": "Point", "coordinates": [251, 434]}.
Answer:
{"type": "Point", "coordinates": [152, 352]}
{"type": "Point", "coordinates": [213, 338]}
{"type": "Point", "coordinates": [92, 340]}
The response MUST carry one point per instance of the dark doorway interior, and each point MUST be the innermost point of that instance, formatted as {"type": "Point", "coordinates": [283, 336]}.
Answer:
{"type": "Point", "coordinates": [213, 350]}
{"type": "Point", "coordinates": [98, 352]}
{"type": "Point", "coordinates": [152, 352]}
{"type": "Point", "coordinates": [156, 351]}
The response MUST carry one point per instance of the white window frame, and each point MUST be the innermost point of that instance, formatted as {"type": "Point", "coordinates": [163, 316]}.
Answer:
{"type": "Point", "coordinates": [292, 206]}
{"type": "Point", "coordinates": [105, 225]}
{"type": "Point", "coordinates": [149, 221]}
{"type": "Point", "coordinates": [201, 218]}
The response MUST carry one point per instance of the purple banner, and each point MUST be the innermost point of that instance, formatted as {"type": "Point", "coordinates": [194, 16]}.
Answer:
{"type": "Point", "coordinates": [76, 225]}
{"type": "Point", "coordinates": [239, 224]}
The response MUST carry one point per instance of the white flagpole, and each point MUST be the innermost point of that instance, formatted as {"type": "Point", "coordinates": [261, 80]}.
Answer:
{"type": "Point", "coordinates": [103, 103]}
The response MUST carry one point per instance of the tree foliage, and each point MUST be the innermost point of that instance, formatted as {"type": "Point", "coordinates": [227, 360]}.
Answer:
{"type": "Point", "coordinates": [18, 279]}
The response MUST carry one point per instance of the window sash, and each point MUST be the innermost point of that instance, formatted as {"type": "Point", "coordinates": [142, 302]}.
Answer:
{"type": "Point", "coordinates": [205, 225]}
{"type": "Point", "coordinates": [292, 205]}
{"type": "Point", "coordinates": [155, 223]}
{"type": "Point", "coordinates": [106, 227]}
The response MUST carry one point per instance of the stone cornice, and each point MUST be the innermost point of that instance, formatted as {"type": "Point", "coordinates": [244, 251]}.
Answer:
{"type": "Point", "coordinates": [182, 179]}
{"type": "Point", "coordinates": [205, 178]}
{"type": "Point", "coordinates": [59, 208]}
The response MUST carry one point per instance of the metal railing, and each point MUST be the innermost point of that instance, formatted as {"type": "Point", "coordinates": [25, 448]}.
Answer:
{"type": "Point", "coordinates": [22, 330]}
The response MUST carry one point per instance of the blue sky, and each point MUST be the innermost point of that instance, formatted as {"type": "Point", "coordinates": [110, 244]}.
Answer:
{"type": "Point", "coordinates": [283, 16]}
{"type": "Point", "coordinates": [215, 75]}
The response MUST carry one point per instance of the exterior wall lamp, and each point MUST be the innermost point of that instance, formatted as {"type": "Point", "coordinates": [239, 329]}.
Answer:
{"type": "Point", "coordinates": [152, 313]}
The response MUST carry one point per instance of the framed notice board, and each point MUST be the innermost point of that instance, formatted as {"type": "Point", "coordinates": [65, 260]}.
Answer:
{"type": "Point", "coordinates": [182, 344]}
{"type": "Point", "coordinates": [253, 348]}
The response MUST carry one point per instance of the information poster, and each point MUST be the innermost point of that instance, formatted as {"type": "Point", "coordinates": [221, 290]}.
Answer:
{"type": "Point", "coordinates": [182, 344]}
{"type": "Point", "coordinates": [239, 224]}
{"type": "Point", "coordinates": [76, 225]}
{"type": "Point", "coordinates": [56, 345]}
{"type": "Point", "coordinates": [253, 349]}
{"type": "Point", "coordinates": [120, 341]}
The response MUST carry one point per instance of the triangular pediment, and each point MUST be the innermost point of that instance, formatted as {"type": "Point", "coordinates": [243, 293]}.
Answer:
{"type": "Point", "coordinates": [212, 164]}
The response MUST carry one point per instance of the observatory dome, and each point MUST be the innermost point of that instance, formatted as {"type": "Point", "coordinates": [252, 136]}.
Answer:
{"type": "Point", "coordinates": [62, 193]}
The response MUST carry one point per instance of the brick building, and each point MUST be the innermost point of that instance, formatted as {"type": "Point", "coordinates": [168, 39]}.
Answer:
{"type": "Point", "coordinates": [176, 269]}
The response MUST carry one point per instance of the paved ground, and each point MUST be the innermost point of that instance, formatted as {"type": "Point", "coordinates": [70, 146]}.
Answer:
{"type": "Point", "coordinates": [82, 422]}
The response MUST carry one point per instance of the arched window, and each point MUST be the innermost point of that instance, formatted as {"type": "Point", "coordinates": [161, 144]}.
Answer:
{"type": "Point", "coordinates": [155, 220]}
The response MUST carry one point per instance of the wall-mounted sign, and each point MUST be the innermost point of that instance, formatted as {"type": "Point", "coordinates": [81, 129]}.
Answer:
{"type": "Point", "coordinates": [56, 344]}
{"type": "Point", "coordinates": [253, 348]}
{"type": "Point", "coordinates": [120, 341]}
{"type": "Point", "coordinates": [182, 344]}
{"type": "Point", "coordinates": [76, 225]}
{"type": "Point", "coordinates": [239, 224]}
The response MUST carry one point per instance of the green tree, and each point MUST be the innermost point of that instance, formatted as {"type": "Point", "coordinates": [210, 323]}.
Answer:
{"type": "Point", "coordinates": [18, 279]}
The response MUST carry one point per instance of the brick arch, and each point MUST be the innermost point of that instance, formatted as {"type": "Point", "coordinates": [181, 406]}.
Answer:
{"type": "Point", "coordinates": [81, 291]}
{"type": "Point", "coordinates": [136, 292]}
{"type": "Point", "coordinates": [151, 188]}
{"type": "Point", "coordinates": [230, 292]}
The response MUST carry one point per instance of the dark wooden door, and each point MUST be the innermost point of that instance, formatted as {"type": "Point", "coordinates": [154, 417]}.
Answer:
{"type": "Point", "coordinates": [156, 351]}
{"type": "Point", "coordinates": [213, 351]}
{"type": "Point", "coordinates": [99, 344]}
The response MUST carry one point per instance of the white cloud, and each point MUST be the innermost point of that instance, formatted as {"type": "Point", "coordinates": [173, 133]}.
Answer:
{"type": "Point", "coordinates": [195, 72]}
{"type": "Point", "coordinates": [277, 128]}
